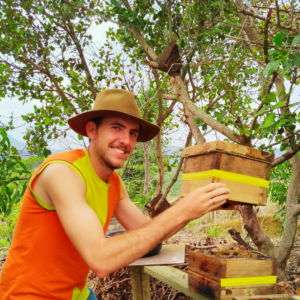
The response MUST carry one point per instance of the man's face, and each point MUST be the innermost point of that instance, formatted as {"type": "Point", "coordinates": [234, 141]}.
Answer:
{"type": "Point", "coordinates": [115, 139]}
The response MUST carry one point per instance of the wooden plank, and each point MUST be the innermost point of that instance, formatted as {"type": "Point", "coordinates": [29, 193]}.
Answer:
{"type": "Point", "coordinates": [228, 163]}
{"type": "Point", "coordinates": [244, 166]}
{"type": "Point", "coordinates": [229, 148]}
{"type": "Point", "coordinates": [200, 163]}
{"type": "Point", "coordinates": [239, 192]}
{"type": "Point", "coordinates": [230, 292]}
{"type": "Point", "coordinates": [236, 268]}
{"type": "Point", "coordinates": [140, 283]}
{"type": "Point", "coordinates": [207, 266]}
{"type": "Point", "coordinates": [175, 278]}
{"type": "Point", "coordinates": [269, 297]}
{"type": "Point", "coordinates": [168, 255]}
{"type": "Point", "coordinates": [221, 267]}
{"type": "Point", "coordinates": [204, 284]}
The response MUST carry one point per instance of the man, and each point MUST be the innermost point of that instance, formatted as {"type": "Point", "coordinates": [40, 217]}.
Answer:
{"type": "Point", "coordinates": [70, 200]}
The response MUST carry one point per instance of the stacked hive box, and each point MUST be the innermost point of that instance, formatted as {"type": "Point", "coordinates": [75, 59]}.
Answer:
{"type": "Point", "coordinates": [244, 170]}
{"type": "Point", "coordinates": [226, 278]}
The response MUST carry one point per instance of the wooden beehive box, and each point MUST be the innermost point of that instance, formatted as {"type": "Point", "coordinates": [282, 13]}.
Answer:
{"type": "Point", "coordinates": [269, 297]}
{"type": "Point", "coordinates": [226, 278]}
{"type": "Point", "coordinates": [244, 170]}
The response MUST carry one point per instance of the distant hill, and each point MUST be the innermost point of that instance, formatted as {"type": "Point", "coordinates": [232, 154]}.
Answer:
{"type": "Point", "coordinates": [21, 146]}
{"type": "Point", "coordinates": [18, 144]}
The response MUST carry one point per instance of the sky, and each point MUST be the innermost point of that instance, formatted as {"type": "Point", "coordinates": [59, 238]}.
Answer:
{"type": "Point", "coordinates": [12, 105]}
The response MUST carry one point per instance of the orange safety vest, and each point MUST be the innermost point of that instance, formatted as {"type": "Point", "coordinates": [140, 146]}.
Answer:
{"type": "Point", "coordinates": [42, 262]}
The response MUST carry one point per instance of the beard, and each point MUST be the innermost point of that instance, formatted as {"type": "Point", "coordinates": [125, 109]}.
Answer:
{"type": "Point", "coordinates": [106, 160]}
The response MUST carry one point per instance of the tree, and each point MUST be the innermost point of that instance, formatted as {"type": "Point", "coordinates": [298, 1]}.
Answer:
{"type": "Point", "coordinates": [258, 35]}
{"type": "Point", "coordinates": [14, 175]}
{"type": "Point", "coordinates": [217, 65]}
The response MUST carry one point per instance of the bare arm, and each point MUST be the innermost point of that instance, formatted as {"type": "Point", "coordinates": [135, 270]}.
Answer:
{"type": "Point", "coordinates": [129, 216]}
{"type": "Point", "coordinates": [66, 190]}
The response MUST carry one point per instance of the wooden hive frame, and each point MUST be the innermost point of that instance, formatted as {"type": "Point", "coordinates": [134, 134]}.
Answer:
{"type": "Point", "coordinates": [244, 170]}
{"type": "Point", "coordinates": [226, 278]}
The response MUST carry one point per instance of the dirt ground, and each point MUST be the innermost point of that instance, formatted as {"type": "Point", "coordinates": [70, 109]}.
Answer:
{"type": "Point", "coordinates": [117, 286]}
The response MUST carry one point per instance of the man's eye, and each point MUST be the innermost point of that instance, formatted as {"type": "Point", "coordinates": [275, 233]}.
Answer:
{"type": "Point", "coordinates": [134, 134]}
{"type": "Point", "coordinates": [116, 127]}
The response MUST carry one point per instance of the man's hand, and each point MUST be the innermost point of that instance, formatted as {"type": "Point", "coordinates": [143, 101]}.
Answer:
{"type": "Point", "coordinates": [62, 186]}
{"type": "Point", "coordinates": [203, 200]}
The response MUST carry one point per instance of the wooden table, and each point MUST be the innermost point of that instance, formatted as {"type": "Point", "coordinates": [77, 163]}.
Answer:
{"type": "Point", "coordinates": [159, 267]}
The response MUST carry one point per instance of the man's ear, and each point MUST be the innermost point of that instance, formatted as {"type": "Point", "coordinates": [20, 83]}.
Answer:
{"type": "Point", "coordinates": [91, 130]}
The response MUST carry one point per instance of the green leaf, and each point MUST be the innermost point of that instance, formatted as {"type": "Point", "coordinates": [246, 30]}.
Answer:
{"type": "Point", "coordinates": [296, 40]}
{"type": "Point", "coordinates": [269, 120]}
{"type": "Point", "coordinates": [279, 104]}
{"type": "Point", "coordinates": [114, 2]}
{"type": "Point", "coordinates": [271, 67]}
{"type": "Point", "coordinates": [80, 137]}
{"type": "Point", "coordinates": [295, 57]}
{"type": "Point", "coordinates": [278, 39]}
{"type": "Point", "coordinates": [47, 121]}
{"type": "Point", "coordinates": [46, 152]}
{"type": "Point", "coordinates": [182, 43]}
{"type": "Point", "coordinates": [262, 111]}
{"type": "Point", "coordinates": [279, 123]}
{"type": "Point", "coordinates": [287, 65]}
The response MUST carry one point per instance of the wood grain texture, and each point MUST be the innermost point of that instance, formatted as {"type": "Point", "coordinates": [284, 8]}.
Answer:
{"type": "Point", "coordinates": [239, 192]}
{"type": "Point", "coordinates": [201, 284]}
{"type": "Point", "coordinates": [229, 148]}
{"type": "Point", "coordinates": [140, 282]}
{"type": "Point", "coordinates": [250, 268]}
{"type": "Point", "coordinates": [218, 267]}
{"type": "Point", "coordinates": [269, 297]}
{"type": "Point", "coordinates": [175, 278]}
{"type": "Point", "coordinates": [228, 163]}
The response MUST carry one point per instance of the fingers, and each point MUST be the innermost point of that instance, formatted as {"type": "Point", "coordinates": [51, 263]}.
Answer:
{"type": "Point", "coordinates": [218, 191]}
{"type": "Point", "coordinates": [212, 186]}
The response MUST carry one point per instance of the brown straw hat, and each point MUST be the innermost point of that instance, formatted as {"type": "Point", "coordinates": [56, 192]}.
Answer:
{"type": "Point", "coordinates": [115, 103]}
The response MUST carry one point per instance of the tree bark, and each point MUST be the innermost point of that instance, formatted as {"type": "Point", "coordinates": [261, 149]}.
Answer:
{"type": "Point", "coordinates": [146, 146]}
{"type": "Point", "coordinates": [290, 223]}
{"type": "Point", "coordinates": [198, 136]}
{"type": "Point", "coordinates": [258, 236]}
{"type": "Point", "coordinates": [180, 91]}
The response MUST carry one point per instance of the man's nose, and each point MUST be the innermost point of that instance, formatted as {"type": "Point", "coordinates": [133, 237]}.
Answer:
{"type": "Point", "coordinates": [125, 138]}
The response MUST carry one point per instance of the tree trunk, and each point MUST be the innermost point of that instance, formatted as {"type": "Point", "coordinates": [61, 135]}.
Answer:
{"type": "Point", "coordinates": [290, 223]}
{"type": "Point", "coordinates": [258, 236]}
{"type": "Point", "coordinates": [146, 146]}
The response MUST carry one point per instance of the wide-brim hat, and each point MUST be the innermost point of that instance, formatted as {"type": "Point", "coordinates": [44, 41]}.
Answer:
{"type": "Point", "coordinates": [115, 103]}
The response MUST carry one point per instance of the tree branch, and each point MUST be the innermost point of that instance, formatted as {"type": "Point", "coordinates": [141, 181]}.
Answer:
{"type": "Point", "coordinates": [161, 200]}
{"type": "Point", "coordinates": [287, 155]}
{"type": "Point", "coordinates": [169, 97]}
{"type": "Point", "coordinates": [179, 88]}
{"type": "Point", "coordinates": [190, 119]}
{"type": "Point", "coordinates": [52, 78]}
{"type": "Point", "coordinates": [81, 55]}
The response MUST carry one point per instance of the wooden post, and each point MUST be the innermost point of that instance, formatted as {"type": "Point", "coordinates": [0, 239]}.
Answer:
{"type": "Point", "coordinates": [140, 283]}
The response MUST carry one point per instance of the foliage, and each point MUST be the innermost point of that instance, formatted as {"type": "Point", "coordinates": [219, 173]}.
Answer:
{"type": "Point", "coordinates": [134, 175]}
{"type": "Point", "coordinates": [279, 183]}
{"type": "Point", "coordinates": [8, 225]}
{"type": "Point", "coordinates": [175, 190]}
{"type": "Point", "coordinates": [194, 223]}
{"type": "Point", "coordinates": [213, 231]}
{"type": "Point", "coordinates": [32, 162]}
{"type": "Point", "coordinates": [14, 175]}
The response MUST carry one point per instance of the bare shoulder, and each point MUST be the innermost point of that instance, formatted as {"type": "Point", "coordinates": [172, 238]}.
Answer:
{"type": "Point", "coordinates": [58, 182]}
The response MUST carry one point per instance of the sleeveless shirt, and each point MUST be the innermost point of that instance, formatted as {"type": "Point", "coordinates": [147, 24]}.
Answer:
{"type": "Point", "coordinates": [42, 262]}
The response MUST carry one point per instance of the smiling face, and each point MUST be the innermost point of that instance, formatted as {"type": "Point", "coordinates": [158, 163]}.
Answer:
{"type": "Point", "coordinates": [113, 141]}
